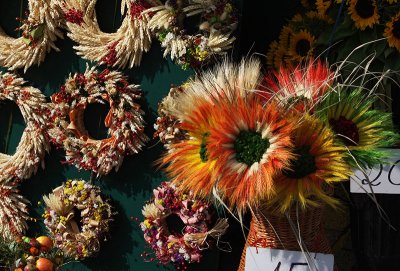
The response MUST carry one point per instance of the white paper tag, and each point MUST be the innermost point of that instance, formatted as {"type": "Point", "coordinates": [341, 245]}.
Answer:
{"type": "Point", "coordinates": [267, 259]}
{"type": "Point", "coordinates": [384, 179]}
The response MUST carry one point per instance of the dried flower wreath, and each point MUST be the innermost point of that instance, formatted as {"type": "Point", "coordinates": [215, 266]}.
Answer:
{"type": "Point", "coordinates": [182, 247]}
{"type": "Point", "coordinates": [124, 120]}
{"type": "Point", "coordinates": [40, 30]}
{"type": "Point", "coordinates": [66, 201]}
{"type": "Point", "coordinates": [214, 36]}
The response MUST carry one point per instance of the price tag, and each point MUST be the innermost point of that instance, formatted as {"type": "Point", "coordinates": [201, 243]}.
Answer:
{"type": "Point", "coordinates": [383, 179]}
{"type": "Point", "coordinates": [267, 259]}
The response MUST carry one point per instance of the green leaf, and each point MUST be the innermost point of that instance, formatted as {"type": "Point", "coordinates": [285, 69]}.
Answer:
{"type": "Point", "coordinates": [389, 51]}
{"type": "Point", "coordinates": [345, 29]}
{"type": "Point", "coordinates": [377, 65]}
{"type": "Point", "coordinates": [323, 38]}
{"type": "Point", "coordinates": [37, 32]}
{"type": "Point", "coordinates": [380, 47]}
{"type": "Point", "coordinates": [348, 46]}
{"type": "Point", "coordinates": [367, 35]}
{"type": "Point", "coordinates": [26, 41]}
{"type": "Point", "coordinates": [393, 62]}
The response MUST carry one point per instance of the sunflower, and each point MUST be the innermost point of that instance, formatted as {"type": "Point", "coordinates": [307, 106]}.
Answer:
{"type": "Point", "coordinates": [187, 162]}
{"type": "Point", "coordinates": [319, 161]}
{"type": "Point", "coordinates": [297, 18]}
{"type": "Point", "coordinates": [281, 57]}
{"type": "Point", "coordinates": [301, 87]}
{"type": "Point", "coordinates": [358, 127]}
{"type": "Point", "coordinates": [301, 45]}
{"type": "Point", "coordinates": [315, 16]}
{"type": "Point", "coordinates": [323, 6]}
{"type": "Point", "coordinates": [273, 46]}
{"type": "Point", "coordinates": [364, 13]}
{"type": "Point", "coordinates": [392, 32]}
{"type": "Point", "coordinates": [284, 36]}
{"type": "Point", "coordinates": [305, 3]}
{"type": "Point", "coordinates": [250, 144]}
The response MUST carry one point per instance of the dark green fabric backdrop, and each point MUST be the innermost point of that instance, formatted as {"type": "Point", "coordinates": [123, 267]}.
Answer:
{"type": "Point", "coordinates": [260, 23]}
{"type": "Point", "coordinates": [132, 185]}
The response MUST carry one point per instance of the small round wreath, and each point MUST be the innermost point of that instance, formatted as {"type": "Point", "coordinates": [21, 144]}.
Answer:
{"type": "Point", "coordinates": [218, 21]}
{"type": "Point", "coordinates": [78, 218]}
{"type": "Point", "coordinates": [120, 49]}
{"type": "Point", "coordinates": [167, 127]}
{"type": "Point", "coordinates": [40, 30]}
{"type": "Point", "coordinates": [124, 120]}
{"type": "Point", "coordinates": [33, 144]}
{"type": "Point", "coordinates": [178, 247]}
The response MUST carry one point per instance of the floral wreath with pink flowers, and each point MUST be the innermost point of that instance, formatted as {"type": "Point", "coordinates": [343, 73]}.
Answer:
{"type": "Point", "coordinates": [124, 120]}
{"type": "Point", "coordinates": [186, 246]}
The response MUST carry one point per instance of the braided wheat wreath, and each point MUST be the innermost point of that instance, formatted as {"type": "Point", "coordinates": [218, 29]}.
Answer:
{"type": "Point", "coordinates": [120, 49]}
{"type": "Point", "coordinates": [39, 33]}
{"type": "Point", "coordinates": [33, 144]}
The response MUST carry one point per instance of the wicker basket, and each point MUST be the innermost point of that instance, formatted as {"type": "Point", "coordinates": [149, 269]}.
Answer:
{"type": "Point", "coordinates": [265, 227]}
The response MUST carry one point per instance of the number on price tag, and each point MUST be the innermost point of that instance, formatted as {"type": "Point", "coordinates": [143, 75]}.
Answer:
{"type": "Point", "coordinates": [383, 179]}
{"type": "Point", "coordinates": [266, 259]}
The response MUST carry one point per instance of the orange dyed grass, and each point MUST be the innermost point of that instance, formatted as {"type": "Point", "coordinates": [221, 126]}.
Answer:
{"type": "Point", "coordinates": [246, 184]}
{"type": "Point", "coordinates": [186, 163]}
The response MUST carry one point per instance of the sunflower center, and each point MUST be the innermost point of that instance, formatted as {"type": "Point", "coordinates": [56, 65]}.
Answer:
{"type": "Point", "coordinates": [203, 148]}
{"type": "Point", "coordinates": [250, 147]}
{"type": "Point", "coordinates": [396, 29]}
{"type": "Point", "coordinates": [303, 165]}
{"type": "Point", "coordinates": [347, 129]}
{"type": "Point", "coordinates": [303, 47]}
{"type": "Point", "coordinates": [365, 8]}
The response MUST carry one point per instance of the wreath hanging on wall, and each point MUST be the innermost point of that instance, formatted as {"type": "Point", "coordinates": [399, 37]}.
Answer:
{"type": "Point", "coordinates": [124, 120]}
{"type": "Point", "coordinates": [34, 143]}
{"type": "Point", "coordinates": [123, 48]}
{"type": "Point", "coordinates": [218, 20]}
{"type": "Point", "coordinates": [40, 30]}
{"type": "Point", "coordinates": [78, 218]}
{"type": "Point", "coordinates": [13, 212]}
{"type": "Point", "coordinates": [186, 246]}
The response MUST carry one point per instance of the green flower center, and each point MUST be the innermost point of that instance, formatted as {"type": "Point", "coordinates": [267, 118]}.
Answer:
{"type": "Point", "coordinates": [365, 8]}
{"type": "Point", "coordinates": [203, 148]}
{"type": "Point", "coordinates": [303, 165]}
{"type": "Point", "coordinates": [250, 147]}
{"type": "Point", "coordinates": [396, 29]}
{"type": "Point", "coordinates": [303, 47]}
{"type": "Point", "coordinates": [346, 129]}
